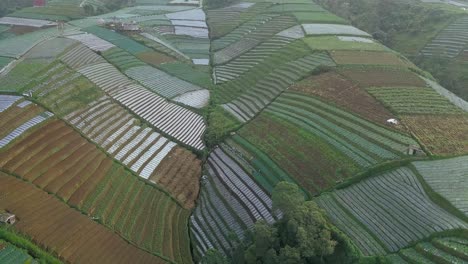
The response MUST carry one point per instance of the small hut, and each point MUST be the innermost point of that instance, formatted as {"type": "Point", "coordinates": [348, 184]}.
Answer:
{"type": "Point", "coordinates": [7, 218]}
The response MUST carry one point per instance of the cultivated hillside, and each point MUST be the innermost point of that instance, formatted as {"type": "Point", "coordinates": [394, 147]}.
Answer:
{"type": "Point", "coordinates": [159, 132]}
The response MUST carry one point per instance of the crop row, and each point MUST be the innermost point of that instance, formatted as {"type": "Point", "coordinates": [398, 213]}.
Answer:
{"type": "Point", "coordinates": [7, 100]}
{"type": "Point", "coordinates": [232, 18]}
{"type": "Point", "coordinates": [264, 170]}
{"type": "Point", "coordinates": [448, 178]}
{"type": "Point", "coordinates": [438, 250]}
{"type": "Point", "coordinates": [172, 119]}
{"type": "Point", "coordinates": [117, 39]}
{"type": "Point", "coordinates": [255, 99]}
{"type": "Point", "coordinates": [54, 223]}
{"type": "Point", "coordinates": [142, 150]}
{"type": "Point", "coordinates": [24, 127]}
{"type": "Point", "coordinates": [17, 46]}
{"type": "Point", "coordinates": [261, 33]}
{"type": "Point", "coordinates": [414, 100]}
{"type": "Point", "coordinates": [81, 56]}
{"type": "Point", "coordinates": [26, 22]}
{"type": "Point", "coordinates": [357, 142]}
{"type": "Point", "coordinates": [160, 82]}
{"type": "Point", "coordinates": [122, 59]}
{"type": "Point", "coordinates": [92, 42]}
{"type": "Point", "coordinates": [62, 162]}
{"type": "Point", "coordinates": [231, 202]}
{"type": "Point", "coordinates": [13, 255]}
{"type": "Point", "coordinates": [450, 41]}
{"type": "Point", "coordinates": [392, 208]}
{"type": "Point", "coordinates": [453, 98]}
{"type": "Point", "coordinates": [242, 64]}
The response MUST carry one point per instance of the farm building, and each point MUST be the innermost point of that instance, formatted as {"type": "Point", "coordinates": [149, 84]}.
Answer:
{"type": "Point", "coordinates": [39, 3]}
{"type": "Point", "coordinates": [7, 218]}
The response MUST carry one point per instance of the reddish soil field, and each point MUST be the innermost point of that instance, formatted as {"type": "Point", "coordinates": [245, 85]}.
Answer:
{"type": "Point", "coordinates": [440, 134]}
{"type": "Point", "coordinates": [15, 116]}
{"type": "Point", "coordinates": [51, 223]}
{"type": "Point", "coordinates": [376, 77]}
{"type": "Point", "coordinates": [57, 159]}
{"type": "Point", "coordinates": [154, 58]}
{"type": "Point", "coordinates": [366, 57]}
{"type": "Point", "coordinates": [335, 88]}
{"type": "Point", "coordinates": [179, 169]}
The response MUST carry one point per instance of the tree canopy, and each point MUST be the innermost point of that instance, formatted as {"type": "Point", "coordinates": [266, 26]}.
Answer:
{"type": "Point", "coordinates": [303, 235]}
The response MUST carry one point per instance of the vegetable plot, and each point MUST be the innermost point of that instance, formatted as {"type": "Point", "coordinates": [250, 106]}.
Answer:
{"type": "Point", "coordinates": [391, 211]}
{"type": "Point", "coordinates": [449, 178]}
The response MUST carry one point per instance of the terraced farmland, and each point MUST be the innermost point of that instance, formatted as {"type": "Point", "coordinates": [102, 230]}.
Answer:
{"type": "Point", "coordinates": [18, 116]}
{"type": "Point", "coordinates": [104, 156]}
{"type": "Point", "coordinates": [414, 100]}
{"type": "Point", "coordinates": [450, 41]}
{"type": "Point", "coordinates": [231, 203]}
{"type": "Point", "coordinates": [344, 57]}
{"type": "Point", "coordinates": [379, 77]}
{"type": "Point", "coordinates": [448, 178]}
{"type": "Point", "coordinates": [336, 89]}
{"type": "Point", "coordinates": [161, 82]}
{"type": "Point", "coordinates": [251, 102]}
{"type": "Point", "coordinates": [441, 135]}
{"type": "Point", "coordinates": [263, 31]}
{"type": "Point", "coordinates": [53, 230]}
{"type": "Point", "coordinates": [340, 140]}
{"type": "Point", "coordinates": [147, 153]}
{"type": "Point", "coordinates": [174, 120]}
{"type": "Point", "coordinates": [117, 39]}
{"type": "Point", "coordinates": [62, 162]}
{"type": "Point", "coordinates": [438, 250]}
{"type": "Point", "coordinates": [387, 212]}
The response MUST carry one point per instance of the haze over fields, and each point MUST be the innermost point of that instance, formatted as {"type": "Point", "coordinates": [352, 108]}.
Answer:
{"type": "Point", "coordinates": [223, 131]}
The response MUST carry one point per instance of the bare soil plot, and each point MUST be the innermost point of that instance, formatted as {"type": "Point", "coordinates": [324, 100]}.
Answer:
{"type": "Point", "coordinates": [155, 58]}
{"type": "Point", "coordinates": [179, 173]}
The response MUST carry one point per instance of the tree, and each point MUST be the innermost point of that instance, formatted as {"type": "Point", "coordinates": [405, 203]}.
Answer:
{"type": "Point", "coordinates": [303, 235]}
{"type": "Point", "coordinates": [287, 197]}
{"type": "Point", "coordinates": [213, 256]}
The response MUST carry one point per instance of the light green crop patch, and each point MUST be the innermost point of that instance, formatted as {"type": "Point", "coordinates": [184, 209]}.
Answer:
{"type": "Point", "coordinates": [334, 43]}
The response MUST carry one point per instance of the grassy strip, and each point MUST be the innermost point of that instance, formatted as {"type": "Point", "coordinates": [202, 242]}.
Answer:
{"type": "Point", "coordinates": [22, 242]}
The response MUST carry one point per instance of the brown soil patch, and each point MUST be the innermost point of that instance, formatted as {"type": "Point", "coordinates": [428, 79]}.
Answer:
{"type": "Point", "coordinates": [38, 224]}
{"type": "Point", "coordinates": [20, 30]}
{"type": "Point", "coordinates": [441, 135]}
{"type": "Point", "coordinates": [366, 58]}
{"type": "Point", "coordinates": [375, 77]}
{"type": "Point", "coordinates": [179, 169]}
{"type": "Point", "coordinates": [155, 58]}
{"type": "Point", "coordinates": [15, 116]}
{"type": "Point", "coordinates": [335, 88]}
{"type": "Point", "coordinates": [57, 161]}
